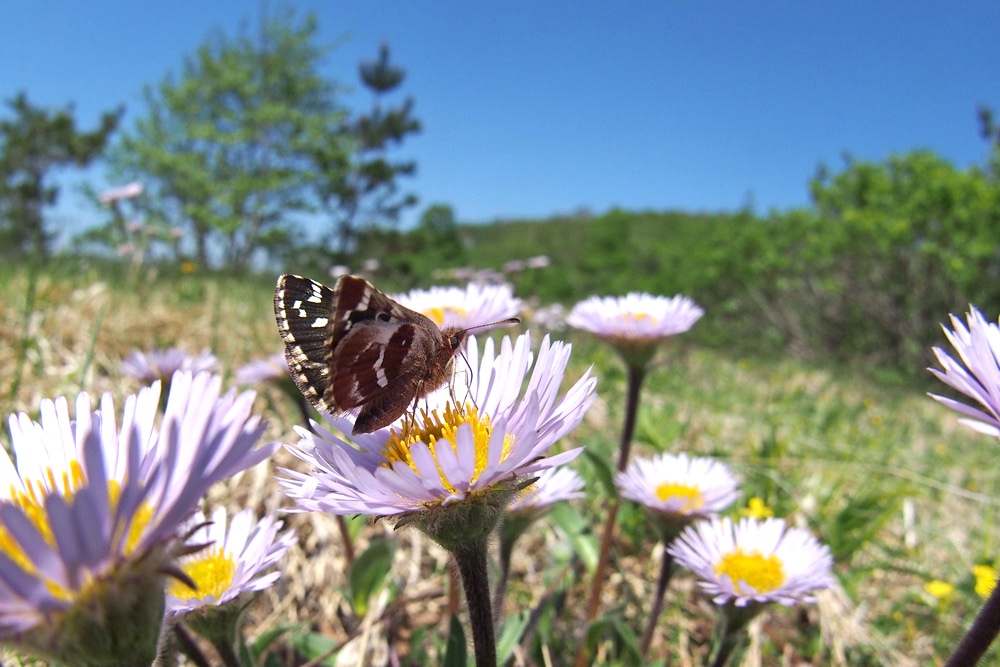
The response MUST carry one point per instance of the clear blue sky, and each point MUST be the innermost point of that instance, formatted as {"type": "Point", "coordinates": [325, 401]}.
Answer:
{"type": "Point", "coordinates": [533, 108]}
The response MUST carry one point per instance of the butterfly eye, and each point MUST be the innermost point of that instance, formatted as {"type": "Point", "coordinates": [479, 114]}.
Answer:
{"type": "Point", "coordinates": [455, 342]}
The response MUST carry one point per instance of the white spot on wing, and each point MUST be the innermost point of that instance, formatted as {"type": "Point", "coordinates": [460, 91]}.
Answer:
{"type": "Point", "coordinates": [320, 322]}
{"type": "Point", "coordinates": [380, 378]}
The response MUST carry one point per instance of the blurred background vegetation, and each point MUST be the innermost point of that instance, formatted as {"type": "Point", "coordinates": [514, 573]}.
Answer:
{"type": "Point", "coordinates": [248, 163]}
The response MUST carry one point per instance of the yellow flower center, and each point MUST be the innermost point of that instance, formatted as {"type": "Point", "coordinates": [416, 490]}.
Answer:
{"type": "Point", "coordinates": [31, 501]}
{"type": "Point", "coordinates": [690, 494]}
{"type": "Point", "coordinates": [440, 429]}
{"type": "Point", "coordinates": [637, 317]}
{"type": "Point", "coordinates": [761, 573]}
{"type": "Point", "coordinates": [211, 570]}
{"type": "Point", "coordinates": [439, 313]}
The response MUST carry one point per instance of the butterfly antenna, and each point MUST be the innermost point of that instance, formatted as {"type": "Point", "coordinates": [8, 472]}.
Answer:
{"type": "Point", "coordinates": [509, 320]}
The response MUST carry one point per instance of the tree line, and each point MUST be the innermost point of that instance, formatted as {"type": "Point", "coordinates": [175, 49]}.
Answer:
{"type": "Point", "coordinates": [238, 158]}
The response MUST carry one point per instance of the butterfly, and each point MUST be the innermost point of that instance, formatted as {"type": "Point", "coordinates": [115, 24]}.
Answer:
{"type": "Point", "coordinates": [352, 348]}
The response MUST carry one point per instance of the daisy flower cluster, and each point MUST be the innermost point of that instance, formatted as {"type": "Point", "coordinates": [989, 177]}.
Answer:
{"type": "Point", "coordinates": [492, 443]}
{"type": "Point", "coordinates": [678, 489]}
{"type": "Point", "coordinates": [474, 305]}
{"type": "Point", "coordinates": [92, 512]}
{"type": "Point", "coordinates": [161, 364]}
{"type": "Point", "coordinates": [754, 561]}
{"type": "Point", "coordinates": [636, 323]}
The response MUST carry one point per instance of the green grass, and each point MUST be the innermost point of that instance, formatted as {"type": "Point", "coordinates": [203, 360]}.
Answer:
{"type": "Point", "coordinates": [877, 470]}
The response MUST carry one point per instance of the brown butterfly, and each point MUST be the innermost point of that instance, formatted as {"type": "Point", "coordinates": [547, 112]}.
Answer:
{"type": "Point", "coordinates": [354, 348]}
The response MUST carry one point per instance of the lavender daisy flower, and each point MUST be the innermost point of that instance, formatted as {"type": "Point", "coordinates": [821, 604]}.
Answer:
{"type": "Point", "coordinates": [976, 373]}
{"type": "Point", "coordinates": [678, 489]}
{"type": "Point", "coordinates": [474, 305]}
{"type": "Point", "coordinates": [96, 596]}
{"type": "Point", "coordinates": [747, 565]}
{"type": "Point", "coordinates": [754, 562]}
{"type": "Point", "coordinates": [635, 323]}
{"type": "Point", "coordinates": [531, 503]}
{"type": "Point", "coordinates": [236, 559]}
{"type": "Point", "coordinates": [496, 435]}
{"type": "Point", "coordinates": [271, 369]}
{"type": "Point", "coordinates": [552, 486]}
{"type": "Point", "coordinates": [162, 364]}
{"type": "Point", "coordinates": [451, 469]}
{"type": "Point", "coordinates": [551, 317]}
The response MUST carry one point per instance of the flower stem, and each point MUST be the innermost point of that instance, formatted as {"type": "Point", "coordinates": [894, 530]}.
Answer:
{"type": "Point", "coordinates": [666, 569]}
{"type": "Point", "coordinates": [636, 373]}
{"type": "Point", "coordinates": [733, 622]}
{"type": "Point", "coordinates": [345, 536]}
{"type": "Point", "coordinates": [980, 635]}
{"type": "Point", "coordinates": [472, 567]}
{"type": "Point", "coordinates": [189, 646]}
{"type": "Point", "coordinates": [500, 590]}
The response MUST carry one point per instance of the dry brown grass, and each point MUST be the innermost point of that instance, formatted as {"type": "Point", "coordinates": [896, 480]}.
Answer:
{"type": "Point", "coordinates": [75, 332]}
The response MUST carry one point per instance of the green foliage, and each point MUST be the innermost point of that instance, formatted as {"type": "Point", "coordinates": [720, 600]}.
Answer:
{"type": "Point", "coordinates": [866, 275]}
{"type": "Point", "coordinates": [888, 251]}
{"type": "Point", "coordinates": [368, 193]}
{"type": "Point", "coordinates": [456, 654]}
{"type": "Point", "coordinates": [34, 143]}
{"type": "Point", "coordinates": [239, 143]}
{"type": "Point", "coordinates": [368, 574]}
{"type": "Point", "coordinates": [316, 647]}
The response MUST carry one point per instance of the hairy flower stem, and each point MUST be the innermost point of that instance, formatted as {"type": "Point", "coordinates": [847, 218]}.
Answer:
{"type": "Point", "coordinates": [666, 569]}
{"type": "Point", "coordinates": [472, 566]}
{"type": "Point", "coordinates": [636, 374]}
{"type": "Point", "coordinates": [981, 634]}
{"type": "Point", "coordinates": [506, 550]}
{"type": "Point", "coordinates": [189, 646]}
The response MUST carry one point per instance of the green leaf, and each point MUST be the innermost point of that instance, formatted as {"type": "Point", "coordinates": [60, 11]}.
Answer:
{"type": "Point", "coordinates": [510, 634]}
{"type": "Point", "coordinates": [368, 573]}
{"type": "Point", "coordinates": [315, 646]}
{"type": "Point", "coordinates": [605, 475]}
{"type": "Point", "coordinates": [456, 653]}
{"type": "Point", "coordinates": [264, 641]}
{"type": "Point", "coordinates": [579, 532]}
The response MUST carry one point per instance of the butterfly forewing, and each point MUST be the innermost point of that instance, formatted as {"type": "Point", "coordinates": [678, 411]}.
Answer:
{"type": "Point", "coordinates": [354, 348]}
{"type": "Point", "coordinates": [303, 309]}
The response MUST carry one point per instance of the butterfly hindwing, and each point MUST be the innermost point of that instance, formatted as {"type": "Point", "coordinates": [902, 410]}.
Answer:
{"type": "Point", "coordinates": [372, 358]}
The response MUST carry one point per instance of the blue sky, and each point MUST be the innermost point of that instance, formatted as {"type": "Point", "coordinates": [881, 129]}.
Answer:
{"type": "Point", "coordinates": [536, 108]}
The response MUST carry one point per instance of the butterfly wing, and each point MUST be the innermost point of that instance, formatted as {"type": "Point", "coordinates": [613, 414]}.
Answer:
{"type": "Point", "coordinates": [303, 309]}
{"type": "Point", "coordinates": [379, 368]}
{"type": "Point", "coordinates": [355, 348]}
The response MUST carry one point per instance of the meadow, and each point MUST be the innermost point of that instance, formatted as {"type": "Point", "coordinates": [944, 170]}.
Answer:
{"type": "Point", "coordinates": [877, 470]}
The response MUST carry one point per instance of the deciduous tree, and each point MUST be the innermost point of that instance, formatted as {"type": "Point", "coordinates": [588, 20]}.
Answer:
{"type": "Point", "coordinates": [234, 147]}
{"type": "Point", "coordinates": [34, 142]}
